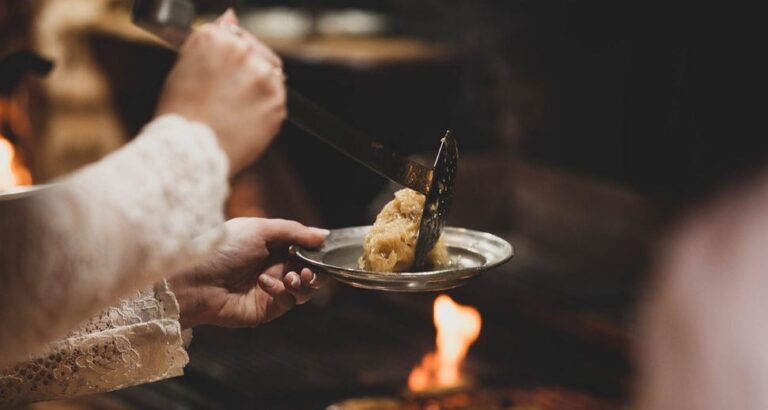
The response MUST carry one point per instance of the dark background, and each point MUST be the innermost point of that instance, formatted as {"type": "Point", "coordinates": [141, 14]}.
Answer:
{"type": "Point", "coordinates": [586, 128]}
{"type": "Point", "coordinates": [653, 95]}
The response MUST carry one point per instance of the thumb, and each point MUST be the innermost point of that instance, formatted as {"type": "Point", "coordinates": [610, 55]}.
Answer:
{"type": "Point", "coordinates": [229, 17]}
{"type": "Point", "coordinates": [282, 233]}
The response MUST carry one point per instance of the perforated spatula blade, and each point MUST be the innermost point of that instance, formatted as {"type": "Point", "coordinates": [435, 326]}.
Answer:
{"type": "Point", "coordinates": [439, 198]}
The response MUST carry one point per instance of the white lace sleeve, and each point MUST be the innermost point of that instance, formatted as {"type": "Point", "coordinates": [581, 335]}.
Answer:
{"type": "Point", "coordinates": [111, 229]}
{"type": "Point", "coordinates": [136, 341]}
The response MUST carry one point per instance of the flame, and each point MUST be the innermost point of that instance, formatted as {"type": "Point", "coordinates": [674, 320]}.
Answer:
{"type": "Point", "coordinates": [12, 172]}
{"type": "Point", "coordinates": [457, 328]}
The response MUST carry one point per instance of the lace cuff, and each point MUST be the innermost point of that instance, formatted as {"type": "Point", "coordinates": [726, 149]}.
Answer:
{"type": "Point", "coordinates": [137, 341]}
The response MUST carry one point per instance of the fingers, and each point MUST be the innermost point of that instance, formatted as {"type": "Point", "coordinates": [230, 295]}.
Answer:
{"type": "Point", "coordinates": [263, 60]}
{"type": "Point", "coordinates": [229, 18]}
{"type": "Point", "coordinates": [282, 233]}
{"type": "Point", "coordinates": [312, 280]}
{"type": "Point", "coordinates": [265, 51]}
{"type": "Point", "coordinates": [302, 286]}
{"type": "Point", "coordinates": [283, 301]}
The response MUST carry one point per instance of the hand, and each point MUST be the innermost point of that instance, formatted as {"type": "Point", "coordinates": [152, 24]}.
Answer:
{"type": "Point", "coordinates": [248, 282]}
{"type": "Point", "coordinates": [227, 79]}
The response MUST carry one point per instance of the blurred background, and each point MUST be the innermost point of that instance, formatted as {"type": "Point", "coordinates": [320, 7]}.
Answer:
{"type": "Point", "coordinates": [585, 129]}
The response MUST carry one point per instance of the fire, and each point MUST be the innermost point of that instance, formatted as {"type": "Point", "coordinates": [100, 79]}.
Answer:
{"type": "Point", "coordinates": [12, 172]}
{"type": "Point", "coordinates": [457, 328]}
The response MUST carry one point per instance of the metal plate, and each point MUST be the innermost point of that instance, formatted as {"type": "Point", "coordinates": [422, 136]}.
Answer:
{"type": "Point", "coordinates": [470, 252]}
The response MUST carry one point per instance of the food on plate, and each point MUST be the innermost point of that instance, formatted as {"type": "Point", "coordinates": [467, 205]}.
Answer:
{"type": "Point", "coordinates": [390, 245]}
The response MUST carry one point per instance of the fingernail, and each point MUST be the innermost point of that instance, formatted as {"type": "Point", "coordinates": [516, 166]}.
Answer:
{"type": "Point", "coordinates": [296, 283]}
{"type": "Point", "coordinates": [268, 282]}
{"type": "Point", "coordinates": [320, 231]}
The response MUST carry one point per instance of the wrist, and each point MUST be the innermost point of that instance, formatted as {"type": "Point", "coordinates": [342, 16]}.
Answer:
{"type": "Point", "coordinates": [192, 305]}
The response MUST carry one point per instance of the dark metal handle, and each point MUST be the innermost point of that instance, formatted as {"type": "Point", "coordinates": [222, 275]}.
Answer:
{"type": "Point", "coordinates": [311, 118]}
{"type": "Point", "coordinates": [171, 20]}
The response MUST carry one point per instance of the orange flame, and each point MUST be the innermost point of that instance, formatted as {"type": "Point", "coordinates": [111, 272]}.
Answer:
{"type": "Point", "coordinates": [12, 172]}
{"type": "Point", "coordinates": [457, 328]}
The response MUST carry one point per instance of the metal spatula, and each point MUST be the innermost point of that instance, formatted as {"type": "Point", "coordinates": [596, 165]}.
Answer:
{"type": "Point", "coordinates": [172, 21]}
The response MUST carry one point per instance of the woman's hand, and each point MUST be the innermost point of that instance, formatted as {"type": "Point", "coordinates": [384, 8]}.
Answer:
{"type": "Point", "coordinates": [227, 79]}
{"type": "Point", "coordinates": [248, 281]}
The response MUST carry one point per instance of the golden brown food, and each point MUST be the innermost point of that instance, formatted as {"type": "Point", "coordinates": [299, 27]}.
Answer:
{"type": "Point", "coordinates": [390, 245]}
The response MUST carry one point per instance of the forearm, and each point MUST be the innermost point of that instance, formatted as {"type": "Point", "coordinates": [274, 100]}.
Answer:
{"type": "Point", "coordinates": [108, 230]}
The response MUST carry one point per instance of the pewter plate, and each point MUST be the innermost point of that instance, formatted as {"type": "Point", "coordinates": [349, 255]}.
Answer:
{"type": "Point", "coordinates": [470, 252]}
